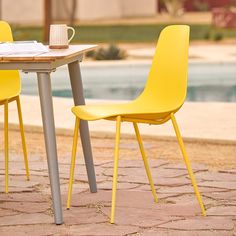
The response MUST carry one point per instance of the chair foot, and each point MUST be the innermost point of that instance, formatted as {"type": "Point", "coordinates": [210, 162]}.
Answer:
{"type": "Point", "coordinates": [112, 222]}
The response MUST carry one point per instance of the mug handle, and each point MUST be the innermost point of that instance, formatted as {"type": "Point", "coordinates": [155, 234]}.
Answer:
{"type": "Point", "coordinates": [73, 33]}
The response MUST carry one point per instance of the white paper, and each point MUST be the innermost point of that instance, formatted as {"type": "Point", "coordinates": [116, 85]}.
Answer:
{"type": "Point", "coordinates": [9, 48]}
{"type": "Point", "coordinates": [28, 55]}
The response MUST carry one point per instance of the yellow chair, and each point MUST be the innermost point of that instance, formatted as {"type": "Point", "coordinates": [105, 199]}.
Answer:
{"type": "Point", "coordinates": [163, 95]}
{"type": "Point", "coordinates": [10, 87]}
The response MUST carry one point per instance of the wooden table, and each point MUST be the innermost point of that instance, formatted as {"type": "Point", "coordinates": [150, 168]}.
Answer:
{"type": "Point", "coordinates": [43, 64]}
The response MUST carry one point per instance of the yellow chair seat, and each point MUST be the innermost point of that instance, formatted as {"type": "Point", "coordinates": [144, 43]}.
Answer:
{"type": "Point", "coordinates": [126, 110]}
{"type": "Point", "coordinates": [10, 84]}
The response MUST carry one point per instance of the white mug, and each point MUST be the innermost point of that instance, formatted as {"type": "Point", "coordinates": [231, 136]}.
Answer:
{"type": "Point", "coordinates": [58, 38]}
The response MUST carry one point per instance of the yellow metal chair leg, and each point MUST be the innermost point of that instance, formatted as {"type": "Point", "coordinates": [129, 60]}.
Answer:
{"type": "Point", "coordinates": [145, 161]}
{"type": "Point", "coordinates": [6, 144]}
{"type": "Point", "coordinates": [72, 165]}
{"type": "Point", "coordinates": [22, 137]}
{"type": "Point", "coordinates": [115, 173]}
{"type": "Point", "coordinates": [187, 163]}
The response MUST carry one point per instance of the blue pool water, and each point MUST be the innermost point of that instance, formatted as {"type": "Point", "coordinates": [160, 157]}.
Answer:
{"type": "Point", "coordinates": [125, 81]}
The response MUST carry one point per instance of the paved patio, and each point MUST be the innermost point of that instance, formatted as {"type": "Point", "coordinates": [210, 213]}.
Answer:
{"type": "Point", "coordinates": [26, 210]}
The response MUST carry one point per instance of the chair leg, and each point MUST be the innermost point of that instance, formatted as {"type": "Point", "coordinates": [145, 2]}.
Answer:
{"type": "Point", "coordinates": [115, 172]}
{"type": "Point", "coordinates": [6, 144]}
{"type": "Point", "coordinates": [187, 163]}
{"type": "Point", "coordinates": [22, 136]}
{"type": "Point", "coordinates": [145, 161]}
{"type": "Point", "coordinates": [72, 165]}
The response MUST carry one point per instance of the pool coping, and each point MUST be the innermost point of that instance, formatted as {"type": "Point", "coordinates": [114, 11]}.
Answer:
{"type": "Point", "coordinates": [211, 122]}
{"type": "Point", "coordinates": [111, 135]}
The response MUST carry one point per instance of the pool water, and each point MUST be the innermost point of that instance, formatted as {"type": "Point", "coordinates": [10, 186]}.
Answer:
{"type": "Point", "coordinates": [126, 80]}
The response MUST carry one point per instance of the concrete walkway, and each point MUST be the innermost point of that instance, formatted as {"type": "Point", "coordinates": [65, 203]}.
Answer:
{"type": "Point", "coordinates": [211, 121]}
{"type": "Point", "coordinates": [205, 53]}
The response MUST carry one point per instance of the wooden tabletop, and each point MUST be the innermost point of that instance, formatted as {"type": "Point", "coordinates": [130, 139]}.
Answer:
{"type": "Point", "coordinates": [52, 55]}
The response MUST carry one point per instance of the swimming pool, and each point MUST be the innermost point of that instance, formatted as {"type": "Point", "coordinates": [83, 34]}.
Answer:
{"type": "Point", "coordinates": [125, 80]}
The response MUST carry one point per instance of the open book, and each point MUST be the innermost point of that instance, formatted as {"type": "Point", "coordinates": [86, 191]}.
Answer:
{"type": "Point", "coordinates": [22, 47]}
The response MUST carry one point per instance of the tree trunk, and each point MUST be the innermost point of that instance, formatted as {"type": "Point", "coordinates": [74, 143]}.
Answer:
{"type": "Point", "coordinates": [174, 7]}
{"type": "Point", "coordinates": [73, 11]}
{"type": "Point", "coordinates": [0, 9]}
{"type": "Point", "coordinates": [47, 19]}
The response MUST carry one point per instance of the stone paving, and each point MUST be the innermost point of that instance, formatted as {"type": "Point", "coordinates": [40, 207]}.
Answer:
{"type": "Point", "coordinates": [27, 209]}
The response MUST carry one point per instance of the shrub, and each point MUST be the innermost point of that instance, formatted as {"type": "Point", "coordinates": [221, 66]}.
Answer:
{"type": "Point", "coordinates": [112, 52]}
{"type": "Point", "coordinates": [207, 35]}
{"type": "Point", "coordinates": [175, 8]}
{"type": "Point", "coordinates": [90, 53]}
{"type": "Point", "coordinates": [218, 36]}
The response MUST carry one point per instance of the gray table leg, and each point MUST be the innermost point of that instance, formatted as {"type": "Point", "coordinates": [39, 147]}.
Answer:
{"type": "Point", "coordinates": [45, 94]}
{"type": "Point", "coordinates": [78, 95]}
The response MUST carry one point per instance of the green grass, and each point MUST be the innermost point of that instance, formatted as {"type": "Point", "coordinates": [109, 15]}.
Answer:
{"type": "Point", "coordinates": [122, 33]}
{"type": "Point", "coordinates": [27, 33]}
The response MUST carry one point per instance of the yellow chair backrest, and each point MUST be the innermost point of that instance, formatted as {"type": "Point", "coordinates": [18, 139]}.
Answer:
{"type": "Point", "coordinates": [10, 84]}
{"type": "Point", "coordinates": [167, 82]}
